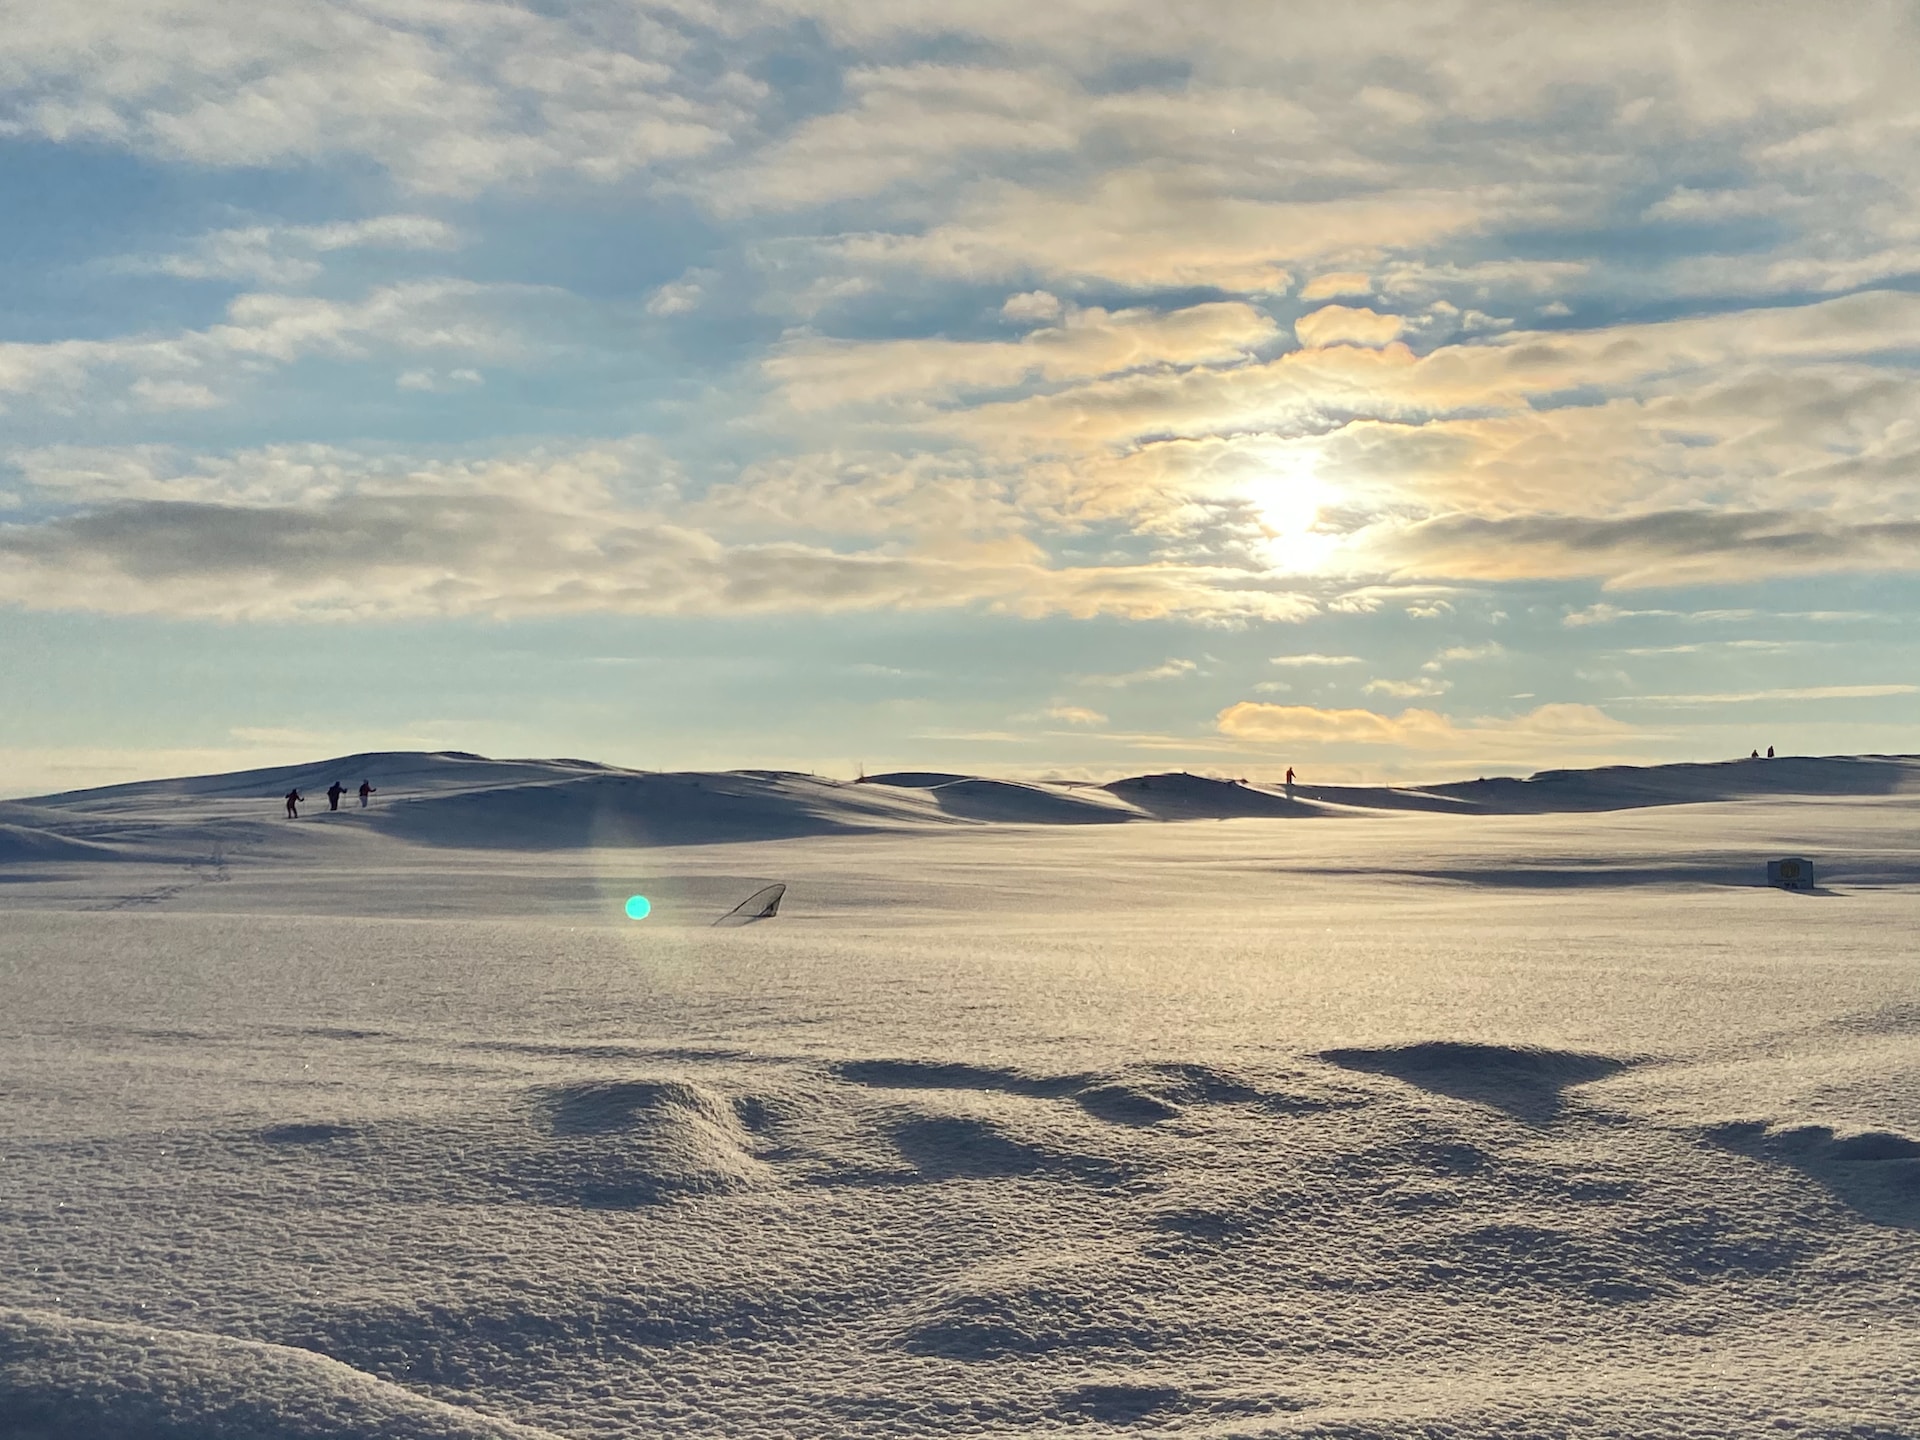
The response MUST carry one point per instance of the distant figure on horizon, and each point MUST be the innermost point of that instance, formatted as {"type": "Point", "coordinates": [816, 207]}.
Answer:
{"type": "Point", "coordinates": [1769, 752]}
{"type": "Point", "coordinates": [1289, 782]}
{"type": "Point", "coordinates": [1754, 756]}
{"type": "Point", "coordinates": [334, 792]}
{"type": "Point", "coordinates": [294, 797]}
{"type": "Point", "coordinates": [366, 789]}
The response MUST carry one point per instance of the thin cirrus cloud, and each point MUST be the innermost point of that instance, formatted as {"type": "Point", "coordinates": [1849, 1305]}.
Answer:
{"type": "Point", "coordinates": [261, 332]}
{"type": "Point", "coordinates": [1805, 692]}
{"type": "Point", "coordinates": [1174, 669]}
{"type": "Point", "coordinates": [288, 255]}
{"type": "Point", "coordinates": [1408, 689]}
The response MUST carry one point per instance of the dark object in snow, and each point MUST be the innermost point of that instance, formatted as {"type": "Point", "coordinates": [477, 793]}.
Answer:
{"type": "Point", "coordinates": [1794, 874]}
{"type": "Point", "coordinates": [761, 905]}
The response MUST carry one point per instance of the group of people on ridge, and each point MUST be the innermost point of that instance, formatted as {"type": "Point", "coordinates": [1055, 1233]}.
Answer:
{"type": "Point", "coordinates": [334, 792]}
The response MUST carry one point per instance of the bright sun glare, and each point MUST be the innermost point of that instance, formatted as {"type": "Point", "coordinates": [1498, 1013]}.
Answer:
{"type": "Point", "coordinates": [1290, 497]}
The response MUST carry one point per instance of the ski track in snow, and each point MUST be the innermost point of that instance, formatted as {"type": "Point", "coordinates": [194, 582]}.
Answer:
{"type": "Point", "coordinates": [1414, 1122]}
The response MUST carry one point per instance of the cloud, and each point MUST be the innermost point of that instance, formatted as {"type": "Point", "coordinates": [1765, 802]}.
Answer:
{"type": "Point", "coordinates": [1167, 670]}
{"type": "Point", "coordinates": [437, 382]}
{"type": "Point", "coordinates": [905, 125]}
{"type": "Point", "coordinates": [1076, 715]}
{"type": "Point", "coordinates": [1602, 613]}
{"type": "Point", "coordinates": [1453, 654]}
{"type": "Point", "coordinates": [1545, 726]}
{"type": "Point", "coordinates": [819, 374]}
{"type": "Point", "coordinates": [323, 535]}
{"type": "Point", "coordinates": [261, 332]}
{"type": "Point", "coordinates": [449, 98]}
{"type": "Point", "coordinates": [682, 296]}
{"type": "Point", "coordinates": [1408, 689]}
{"type": "Point", "coordinates": [1340, 325]}
{"type": "Point", "coordinates": [1135, 411]}
{"type": "Point", "coordinates": [1035, 306]}
{"type": "Point", "coordinates": [1335, 284]}
{"type": "Point", "coordinates": [1666, 548]}
{"type": "Point", "coordinates": [1811, 692]}
{"type": "Point", "coordinates": [1149, 227]}
{"type": "Point", "coordinates": [1313, 659]}
{"type": "Point", "coordinates": [151, 394]}
{"type": "Point", "coordinates": [286, 255]}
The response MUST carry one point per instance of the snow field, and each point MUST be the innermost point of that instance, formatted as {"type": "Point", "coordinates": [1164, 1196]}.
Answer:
{"type": "Point", "coordinates": [1417, 1124]}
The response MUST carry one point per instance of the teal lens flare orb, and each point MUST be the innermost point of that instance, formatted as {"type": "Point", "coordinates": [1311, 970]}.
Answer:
{"type": "Point", "coordinates": [638, 907]}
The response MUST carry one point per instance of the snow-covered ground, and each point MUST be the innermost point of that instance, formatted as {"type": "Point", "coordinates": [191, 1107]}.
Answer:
{"type": "Point", "coordinates": [1517, 1108]}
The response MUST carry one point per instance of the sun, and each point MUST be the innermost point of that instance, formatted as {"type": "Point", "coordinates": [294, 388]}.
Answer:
{"type": "Point", "coordinates": [1290, 498]}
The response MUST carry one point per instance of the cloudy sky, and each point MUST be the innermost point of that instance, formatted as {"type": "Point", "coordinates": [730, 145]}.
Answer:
{"type": "Point", "coordinates": [1390, 391]}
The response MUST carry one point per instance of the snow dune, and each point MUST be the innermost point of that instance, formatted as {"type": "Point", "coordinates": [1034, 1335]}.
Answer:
{"type": "Point", "coordinates": [1469, 1116]}
{"type": "Point", "coordinates": [467, 801]}
{"type": "Point", "coordinates": [61, 1377]}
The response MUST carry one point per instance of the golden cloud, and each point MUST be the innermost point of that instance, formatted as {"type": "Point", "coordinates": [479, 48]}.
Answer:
{"type": "Point", "coordinates": [1341, 325]}
{"type": "Point", "coordinates": [822, 374]}
{"type": "Point", "coordinates": [1337, 283]}
{"type": "Point", "coordinates": [1149, 227]}
{"type": "Point", "coordinates": [1414, 729]}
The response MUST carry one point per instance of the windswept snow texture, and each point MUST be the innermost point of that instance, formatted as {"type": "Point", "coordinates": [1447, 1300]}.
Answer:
{"type": "Point", "coordinates": [1513, 1109]}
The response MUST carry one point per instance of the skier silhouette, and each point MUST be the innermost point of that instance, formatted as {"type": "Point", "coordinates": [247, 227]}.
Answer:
{"type": "Point", "coordinates": [1289, 782]}
{"type": "Point", "coordinates": [294, 797]}
{"type": "Point", "coordinates": [1754, 756]}
{"type": "Point", "coordinates": [1769, 752]}
{"type": "Point", "coordinates": [334, 792]}
{"type": "Point", "coordinates": [366, 789]}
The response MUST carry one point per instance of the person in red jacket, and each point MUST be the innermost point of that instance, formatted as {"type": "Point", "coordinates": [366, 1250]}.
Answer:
{"type": "Point", "coordinates": [366, 789]}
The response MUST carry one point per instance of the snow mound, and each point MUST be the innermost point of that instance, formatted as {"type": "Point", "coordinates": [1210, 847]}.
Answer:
{"type": "Point", "coordinates": [1180, 796]}
{"type": "Point", "coordinates": [1523, 1080]}
{"type": "Point", "coordinates": [1007, 803]}
{"type": "Point", "coordinates": [624, 1144]}
{"type": "Point", "coordinates": [25, 843]}
{"type": "Point", "coordinates": [955, 1075]}
{"type": "Point", "coordinates": [1625, 787]}
{"type": "Point", "coordinates": [1143, 1095]}
{"type": "Point", "coordinates": [1875, 1172]}
{"type": "Point", "coordinates": [625, 809]}
{"type": "Point", "coordinates": [390, 771]}
{"type": "Point", "coordinates": [65, 1377]}
{"type": "Point", "coordinates": [913, 779]}
{"type": "Point", "coordinates": [1028, 1313]}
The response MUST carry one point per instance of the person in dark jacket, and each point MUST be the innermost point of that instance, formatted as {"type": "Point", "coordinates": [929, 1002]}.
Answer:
{"type": "Point", "coordinates": [294, 797]}
{"type": "Point", "coordinates": [334, 792]}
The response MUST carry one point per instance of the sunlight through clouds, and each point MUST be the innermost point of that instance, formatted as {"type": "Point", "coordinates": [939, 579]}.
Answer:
{"type": "Point", "coordinates": [1010, 314]}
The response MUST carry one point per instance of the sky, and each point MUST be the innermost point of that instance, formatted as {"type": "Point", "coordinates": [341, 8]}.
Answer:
{"type": "Point", "coordinates": [1396, 392]}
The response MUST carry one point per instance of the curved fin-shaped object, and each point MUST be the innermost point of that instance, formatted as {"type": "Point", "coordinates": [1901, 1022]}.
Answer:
{"type": "Point", "coordinates": [763, 904]}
